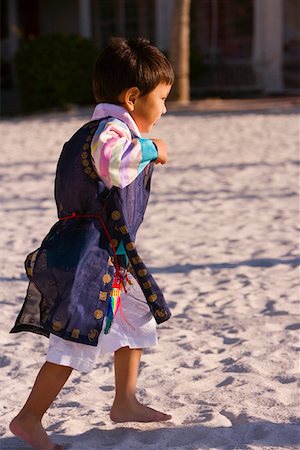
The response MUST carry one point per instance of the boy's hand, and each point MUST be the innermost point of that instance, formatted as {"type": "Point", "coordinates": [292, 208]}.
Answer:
{"type": "Point", "coordinates": [162, 151]}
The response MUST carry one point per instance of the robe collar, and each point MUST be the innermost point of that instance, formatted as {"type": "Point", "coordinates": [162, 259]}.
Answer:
{"type": "Point", "coordinates": [108, 109]}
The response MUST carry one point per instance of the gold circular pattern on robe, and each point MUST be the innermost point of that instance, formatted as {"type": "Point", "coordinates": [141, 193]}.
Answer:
{"type": "Point", "coordinates": [84, 155]}
{"type": "Point", "coordinates": [85, 146]}
{"type": "Point", "coordinates": [152, 297]}
{"type": "Point", "coordinates": [103, 296]}
{"type": "Point", "coordinates": [130, 246]}
{"type": "Point", "coordinates": [136, 260]}
{"type": "Point", "coordinates": [85, 162]}
{"type": "Point", "coordinates": [160, 313]}
{"type": "Point", "coordinates": [93, 333]}
{"type": "Point", "coordinates": [93, 175]}
{"type": "Point", "coordinates": [88, 170]}
{"type": "Point", "coordinates": [142, 272]}
{"type": "Point", "coordinates": [106, 278]}
{"type": "Point", "coordinates": [57, 325]}
{"type": "Point", "coordinates": [98, 314]}
{"type": "Point", "coordinates": [75, 333]}
{"type": "Point", "coordinates": [115, 215]}
{"type": "Point", "coordinates": [123, 229]}
{"type": "Point", "coordinates": [114, 243]}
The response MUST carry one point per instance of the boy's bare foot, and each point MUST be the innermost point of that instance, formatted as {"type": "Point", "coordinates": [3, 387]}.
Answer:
{"type": "Point", "coordinates": [134, 411]}
{"type": "Point", "coordinates": [31, 431]}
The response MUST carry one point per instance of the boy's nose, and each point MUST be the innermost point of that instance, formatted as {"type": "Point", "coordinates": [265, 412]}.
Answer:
{"type": "Point", "coordinates": [164, 110]}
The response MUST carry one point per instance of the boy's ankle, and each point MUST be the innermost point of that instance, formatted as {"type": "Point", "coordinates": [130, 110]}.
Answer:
{"type": "Point", "coordinates": [28, 417]}
{"type": "Point", "coordinates": [124, 399]}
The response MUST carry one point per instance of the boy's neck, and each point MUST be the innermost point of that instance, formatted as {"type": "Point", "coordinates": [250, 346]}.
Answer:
{"type": "Point", "coordinates": [103, 110]}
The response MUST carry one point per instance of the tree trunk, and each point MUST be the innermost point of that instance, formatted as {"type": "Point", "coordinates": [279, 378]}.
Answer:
{"type": "Point", "coordinates": [180, 50]}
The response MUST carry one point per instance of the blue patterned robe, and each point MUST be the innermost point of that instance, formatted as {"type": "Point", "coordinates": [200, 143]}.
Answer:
{"type": "Point", "coordinates": [70, 275]}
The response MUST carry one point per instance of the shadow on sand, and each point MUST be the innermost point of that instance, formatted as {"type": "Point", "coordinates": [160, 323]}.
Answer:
{"type": "Point", "coordinates": [190, 437]}
{"type": "Point", "coordinates": [186, 268]}
{"type": "Point", "coordinates": [259, 262]}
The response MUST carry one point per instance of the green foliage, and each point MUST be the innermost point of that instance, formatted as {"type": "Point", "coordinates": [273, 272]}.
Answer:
{"type": "Point", "coordinates": [55, 70]}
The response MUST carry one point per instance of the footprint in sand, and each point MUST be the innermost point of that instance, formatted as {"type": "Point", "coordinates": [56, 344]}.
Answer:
{"type": "Point", "coordinates": [226, 382]}
{"type": "Point", "coordinates": [205, 415]}
{"type": "Point", "coordinates": [4, 361]}
{"type": "Point", "coordinates": [229, 341]}
{"type": "Point", "coordinates": [237, 368]}
{"type": "Point", "coordinates": [228, 361]}
{"type": "Point", "coordinates": [107, 388]}
{"type": "Point", "coordinates": [257, 430]}
{"type": "Point", "coordinates": [293, 326]}
{"type": "Point", "coordinates": [270, 310]}
{"type": "Point", "coordinates": [236, 420]}
{"type": "Point", "coordinates": [286, 379]}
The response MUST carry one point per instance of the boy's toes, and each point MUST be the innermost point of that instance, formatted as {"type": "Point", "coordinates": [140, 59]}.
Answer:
{"type": "Point", "coordinates": [160, 417]}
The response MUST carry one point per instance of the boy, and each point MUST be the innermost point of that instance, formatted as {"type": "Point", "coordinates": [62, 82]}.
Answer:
{"type": "Point", "coordinates": [89, 290]}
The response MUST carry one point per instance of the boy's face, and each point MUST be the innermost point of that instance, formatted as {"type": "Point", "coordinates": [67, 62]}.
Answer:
{"type": "Point", "coordinates": [149, 108]}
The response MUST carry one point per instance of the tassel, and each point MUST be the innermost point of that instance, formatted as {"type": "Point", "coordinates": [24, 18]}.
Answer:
{"type": "Point", "coordinates": [114, 303]}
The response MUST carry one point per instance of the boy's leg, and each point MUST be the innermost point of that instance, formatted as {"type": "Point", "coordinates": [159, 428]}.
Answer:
{"type": "Point", "coordinates": [126, 407]}
{"type": "Point", "coordinates": [27, 424]}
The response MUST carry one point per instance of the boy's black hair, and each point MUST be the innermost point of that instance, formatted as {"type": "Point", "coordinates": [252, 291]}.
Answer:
{"type": "Point", "coordinates": [127, 63]}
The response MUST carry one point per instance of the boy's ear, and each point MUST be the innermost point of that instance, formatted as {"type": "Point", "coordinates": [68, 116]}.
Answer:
{"type": "Point", "coordinates": [128, 97]}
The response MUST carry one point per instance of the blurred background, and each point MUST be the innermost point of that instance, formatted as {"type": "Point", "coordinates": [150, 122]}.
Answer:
{"type": "Point", "coordinates": [224, 48]}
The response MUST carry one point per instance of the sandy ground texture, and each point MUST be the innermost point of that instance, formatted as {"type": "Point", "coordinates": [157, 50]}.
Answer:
{"type": "Point", "coordinates": [220, 235]}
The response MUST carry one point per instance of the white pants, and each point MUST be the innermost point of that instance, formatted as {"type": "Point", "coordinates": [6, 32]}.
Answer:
{"type": "Point", "coordinates": [133, 327]}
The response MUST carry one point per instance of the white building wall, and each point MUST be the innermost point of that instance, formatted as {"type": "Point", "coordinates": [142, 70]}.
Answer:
{"type": "Point", "coordinates": [268, 44]}
{"type": "Point", "coordinates": [85, 19]}
{"type": "Point", "coordinates": [164, 9]}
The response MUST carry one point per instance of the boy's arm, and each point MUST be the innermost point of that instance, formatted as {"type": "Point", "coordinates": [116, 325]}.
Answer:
{"type": "Point", "coordinates": [117, 157]}
{"type": "Point", "coordinates": [162, 151]}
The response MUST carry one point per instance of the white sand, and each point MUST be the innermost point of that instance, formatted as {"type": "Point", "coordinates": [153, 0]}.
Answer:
{"type": "Point", "coordinates": [220, 234]}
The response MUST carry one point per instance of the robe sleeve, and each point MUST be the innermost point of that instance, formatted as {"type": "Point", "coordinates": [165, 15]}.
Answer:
{"type": "Point", "coordinates": [119, 159]}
